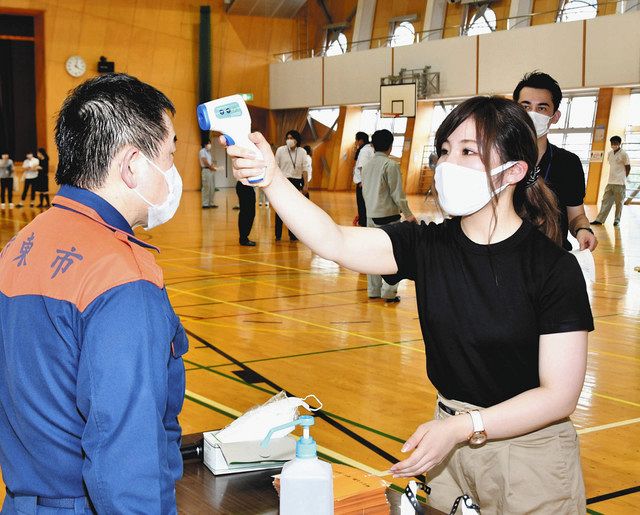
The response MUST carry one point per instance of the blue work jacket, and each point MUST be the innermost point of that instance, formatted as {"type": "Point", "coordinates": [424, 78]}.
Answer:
{"type": "Point", "coordinates": [91, 375]}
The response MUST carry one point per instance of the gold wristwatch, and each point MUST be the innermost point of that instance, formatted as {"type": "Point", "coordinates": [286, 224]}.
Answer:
{"type": "Point", "coordinates": [479, 435]}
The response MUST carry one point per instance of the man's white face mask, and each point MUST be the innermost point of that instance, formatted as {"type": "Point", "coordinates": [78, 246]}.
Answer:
{"type": "Point", "coordinates": [541, 122]}
{"type": "Point", "coordinates": [163, 212]}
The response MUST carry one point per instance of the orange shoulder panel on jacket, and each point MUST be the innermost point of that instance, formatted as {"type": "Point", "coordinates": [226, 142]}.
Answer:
{"type": "Point", "coordinates": [73, 256]}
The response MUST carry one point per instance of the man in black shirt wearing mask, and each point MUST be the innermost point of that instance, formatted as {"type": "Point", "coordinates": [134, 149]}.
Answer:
{"type": "Point", "coordinates": [562, 170]}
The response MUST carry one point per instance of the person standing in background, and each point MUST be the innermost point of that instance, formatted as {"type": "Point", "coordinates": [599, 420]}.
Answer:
{"type": "Point", "coordinates": [291, 160]}
{"type": "Point", "coordinates": [30, 167]}
{"type": "Point", "coordinates": [42, 183]}
{"type": "Point", "coordinates": [308, 170]}
{"type": "Point", "coordinates": [540, 95]}
{"type": "Point", "coordinates": [247, 203]}
{"type": "Point", "coordinates": [619, 169]}
{"type": "Point", "coordinates": [207, 172]}
{"type": "Point", "coordinates": [364, 153]}
{"type": "Point", "coordinates": [6, 181]}
{"type": "Point", "coordinates": [385, 200]}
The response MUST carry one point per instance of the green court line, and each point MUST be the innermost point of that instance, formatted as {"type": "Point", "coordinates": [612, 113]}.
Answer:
{"type": "Point", "coordinates": [593, 512]}
{"type": "Point", "coordinates": [303, 354]}
{"type": "Point", "coordinates": [218, 410]}
{"type": "Point", "coordinates": [271, 392]}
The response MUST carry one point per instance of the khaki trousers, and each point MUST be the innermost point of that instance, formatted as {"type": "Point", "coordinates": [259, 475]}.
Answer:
{"type": "Point", "coordinates": [537, 473]}
{"type": "Point", "coordinates": [612, 193]}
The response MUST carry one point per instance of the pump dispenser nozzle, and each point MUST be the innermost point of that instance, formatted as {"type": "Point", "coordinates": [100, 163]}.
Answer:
{"type": "Point", "coordinates": [306, 446]}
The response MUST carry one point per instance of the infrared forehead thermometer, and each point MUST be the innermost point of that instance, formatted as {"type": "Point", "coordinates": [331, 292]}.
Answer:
{"type": "Point", "coordinates": [230, 116]}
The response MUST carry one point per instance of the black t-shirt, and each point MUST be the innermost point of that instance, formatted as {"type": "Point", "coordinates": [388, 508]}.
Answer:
{"type": "Point", "coordinates": [563, 173]}
{"type": "Point", "coordinates": [482, 308]}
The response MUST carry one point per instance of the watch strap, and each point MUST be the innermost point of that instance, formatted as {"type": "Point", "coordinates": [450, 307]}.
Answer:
{"type": "Point", "coordinates": [476, 418]}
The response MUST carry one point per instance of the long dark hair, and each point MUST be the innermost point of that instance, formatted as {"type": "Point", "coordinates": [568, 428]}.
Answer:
{"type": "Point", "coordinates": [503, 126]}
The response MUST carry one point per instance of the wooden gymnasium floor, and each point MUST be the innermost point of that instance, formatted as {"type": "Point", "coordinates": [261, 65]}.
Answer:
{"type": "Point", "coordinates": [277, 317]}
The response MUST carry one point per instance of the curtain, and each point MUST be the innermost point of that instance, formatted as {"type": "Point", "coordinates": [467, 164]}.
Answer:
{"type": "Point", "coordinates": [286, 120]}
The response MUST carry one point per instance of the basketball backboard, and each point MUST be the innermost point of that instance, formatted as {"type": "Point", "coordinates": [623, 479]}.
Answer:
{"type": "Point", "coordinates": [398, 100]}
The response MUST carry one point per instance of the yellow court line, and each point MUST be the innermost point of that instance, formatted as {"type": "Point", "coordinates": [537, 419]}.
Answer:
{"type": "Point", "coordinates": [335, 455]}
{"type": "Point", "coordinates": [236, 259]}
{"type": "Point", "coordinates": [297, 320]}
{"type": "Point", "coordinates": [232, 258]}
{"type": "Point", "coordinates": [615, 399]}
{"type": "Point", "coordinates": [611, 284]}
{"type": "Point", "coordinates": [262, 329]}
{"type": "Point", "coordinates": [608, 426]}
{"type": "Point", "coordinates": [330, 295]}
{"type": "Point", "coordinates": [632, 326]}
{"type": "Point", "coordinates": [613, 354]}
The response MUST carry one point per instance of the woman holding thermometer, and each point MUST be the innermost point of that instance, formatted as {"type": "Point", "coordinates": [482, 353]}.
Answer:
{"type": "Point", "coordinates": [503, 310]}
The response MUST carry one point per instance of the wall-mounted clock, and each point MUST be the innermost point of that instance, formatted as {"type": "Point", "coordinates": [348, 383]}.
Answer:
{"type": "Point", "coordinates": [75, 66]}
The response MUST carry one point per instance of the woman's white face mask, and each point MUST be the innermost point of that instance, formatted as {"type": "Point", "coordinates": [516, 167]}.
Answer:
{"type": "Point", "coordinates": [462, 190]}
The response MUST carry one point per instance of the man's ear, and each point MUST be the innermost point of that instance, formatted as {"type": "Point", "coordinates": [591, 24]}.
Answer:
{"type": "Point", "coordinates": [129, 166]}
{"type": "Point", "coordinates": [556, 116]}
{"type": "Point", "coordinates": [517, 172]}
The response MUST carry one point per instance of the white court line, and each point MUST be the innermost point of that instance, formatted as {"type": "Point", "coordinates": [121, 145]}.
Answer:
{"type": "Point", "coordinates": [608, 426]}
{"type": "Point", "coordinates": [335, 455]}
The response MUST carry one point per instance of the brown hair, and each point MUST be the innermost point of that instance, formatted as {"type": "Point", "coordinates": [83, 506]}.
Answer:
{"type": "Point", "coordinates": [504, 126]}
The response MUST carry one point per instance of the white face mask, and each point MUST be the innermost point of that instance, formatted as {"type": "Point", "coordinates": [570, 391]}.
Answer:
{"type": "Point", "coordinates": [541, 122]}
{"type": "Point", "coordinates": [161, 213]}
{"type": "Point", "coordinates": [463, 191]}
{"type": "Point", "coordinates": [291, 143]}
{"type": "Point", "coordinates": [256, 423]}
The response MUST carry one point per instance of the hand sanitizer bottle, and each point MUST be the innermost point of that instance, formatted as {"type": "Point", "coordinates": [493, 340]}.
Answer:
{"type": "Point", "coordinates": [306, 483]}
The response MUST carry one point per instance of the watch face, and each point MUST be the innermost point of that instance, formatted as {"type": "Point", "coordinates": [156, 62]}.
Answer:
{"type": "Point", "coordinates": [478, 438]}
{"type": "Point", "coordinates": [76, 66]}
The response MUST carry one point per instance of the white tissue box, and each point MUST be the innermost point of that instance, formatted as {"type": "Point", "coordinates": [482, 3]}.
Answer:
{"type": "Point", "coordinates": [229, 458]}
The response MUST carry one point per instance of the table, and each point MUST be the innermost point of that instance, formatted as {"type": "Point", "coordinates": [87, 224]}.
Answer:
{"type": "Point", "coordinates": [246, 493]}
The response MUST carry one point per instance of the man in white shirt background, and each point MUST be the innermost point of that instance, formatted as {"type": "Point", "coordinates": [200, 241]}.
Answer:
{"type": "Point", "coordinates": [30, 167]}
{"type": "Point", "coordinates": [207, 171]}
{"type": "Point", "coordinates": [6, 180]}
{"type": "Point", "coordinates": [364, 153]}
{"type": "Point", "coordinates": [309, 170]}
{"type": "Point", "coordinates": [619, 168]}
{"type": "Point", "coordinates": [291, 158]}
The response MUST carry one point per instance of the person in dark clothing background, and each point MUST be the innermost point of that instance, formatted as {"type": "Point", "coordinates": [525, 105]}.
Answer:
{"type": "Point", "coordinates": [42, 181]}
{"type": "Point", "coordinates": [561, 170]}
{"type": "Point", "coordinates": [247, 201]}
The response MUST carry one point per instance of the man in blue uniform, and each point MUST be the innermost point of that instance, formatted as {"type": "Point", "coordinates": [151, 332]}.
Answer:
{"type": "Point", "coordinates": [91, 374]}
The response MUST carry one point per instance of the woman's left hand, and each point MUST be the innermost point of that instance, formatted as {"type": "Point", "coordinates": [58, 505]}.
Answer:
{"type": "Point", "coordinates": [432, 442]}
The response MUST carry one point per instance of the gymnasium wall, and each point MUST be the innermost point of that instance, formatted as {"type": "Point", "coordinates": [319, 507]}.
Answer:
{"type": "Point", "coordinates": [578, 54]}
{"type": "Point", "coordinates": [157, 41]}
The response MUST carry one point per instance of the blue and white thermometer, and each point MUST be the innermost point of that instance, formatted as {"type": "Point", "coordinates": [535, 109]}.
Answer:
{"type": "Point", "coordinates": [230, 116]}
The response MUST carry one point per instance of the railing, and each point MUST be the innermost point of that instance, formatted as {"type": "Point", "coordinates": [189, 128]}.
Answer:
{"type": "Point", "coordinates": [512, 22]}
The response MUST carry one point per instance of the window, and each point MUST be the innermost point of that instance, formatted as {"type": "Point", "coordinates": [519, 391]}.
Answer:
{"type": "Point", "coordinates": [337, 45]}
{"type": "Point", "coordinates": [574, 130]}
{"type": "Point", "coordinates": [326, 117]}
{"type": "Point", "coordinates": [631, 143]}
{"type": "Point", "coordinates": [404, 33]}
{"type": "Point", "coordinates": [371, 122]}
{"type": "Point", "coordinates": [483, 22]}
{"type": "Point", "coordinates": [573, 10]}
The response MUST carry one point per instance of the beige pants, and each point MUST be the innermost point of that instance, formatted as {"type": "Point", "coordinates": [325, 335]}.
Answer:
{"type": "Point", "coordinates": [537, 473]}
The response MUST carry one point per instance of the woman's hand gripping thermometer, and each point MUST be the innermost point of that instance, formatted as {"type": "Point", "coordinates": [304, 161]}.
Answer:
{"type": "Point", "coordinates": [230, 116]}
